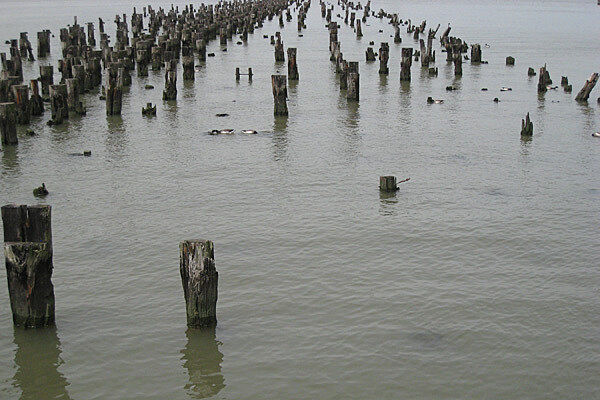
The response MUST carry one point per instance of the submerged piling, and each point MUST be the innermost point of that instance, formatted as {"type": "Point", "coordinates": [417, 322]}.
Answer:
{"type": "Point", "coordinates": [279, 94]}
{"type": "Point", "coordinates": [8, 123]}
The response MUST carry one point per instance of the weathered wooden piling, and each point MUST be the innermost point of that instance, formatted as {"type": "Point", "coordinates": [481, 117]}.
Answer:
{"type": "Point", "coordinates": [353, 79]}
{"type": "Point", "coordinates": [531, 72]}
{"type": "Point", "coordinates": [58, 104]}
{"type": "Point", "coordinates": [170, 92]}
{"type": "Point", "coordinates": [397, 38]}
{"type": "Point", "coordinates": [43, 43]}
{"type": "Point", "coordinates": [406, 63]}
{"type": "Point", "coordinates": [510, 60]}
{"type": "Point", "coordinates": [114, 90]}
{"type": "Point", "coordinates": [544, 80]}
{"type": "Point", "coordinates": [28, 255]}
{"type": "Point", "coordinates": [8, 123]}
{"type": "Point", "coordinates": [72, 93]}
{"type": "Point", "coordinates": [526, 126]}
{"type": "Point", "coordinates": [278, 82]}
{"type": "Point", "coordinates": [141, 58]}
{"type": "Point", "coordinates": [358, 29]}
{"type": "Point", "coordinates": [457, 60]}
{"type": "Point", "coordinates": [370, 55]}
{"type": "Point", "coordinates": [388, 183]}
{"type": "Point", "coordinates": [475, 54]}
{"type": "Point", "coordinates": [91, 39]}
{"type": "Point", "coordinates": [292, 66]}
{"type": "Point", "coordinates": [584, 93]}
{"type": "Point", "coordinates": [36, 103]}
{"type": "Point", "coordinates": [279, 54]}
{"type": "Point", "coordinates": [188, 68]}
{"type": "Point", "coordinates": [20, 94]}
{"type": "Point", "coordinates": [384, 55]}
{"type": "Point", "coordinates": [46, 78]}
{"type": "Point", "coordinates": [157, 57]}
{"type": "Point", "coordinates": [199, 278]}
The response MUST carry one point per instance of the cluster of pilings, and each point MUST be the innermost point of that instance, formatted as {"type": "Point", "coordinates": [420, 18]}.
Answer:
{"type": "Point", "coordinates": [151, 39]}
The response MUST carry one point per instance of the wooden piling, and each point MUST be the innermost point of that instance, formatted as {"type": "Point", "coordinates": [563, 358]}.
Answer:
{"type": "Point", "coordinates": [279, 54]}
{"type": "Point", "coordinates": [20, 94]}
{"type": "Point", "coordinates": [292, 66]}
{"type": "Point", "coordinates": [58, 104]}
{"type": "Point", "coordinates": [199, 278]}
{"type": "Point", "coordinates": [43, 40]}
{"type": "Point", "coordinates": [72, 93]}
{"type": "Point", "coordinates": [584, 93]}
{"type": "Point", "coordinates": [526, 126]}
{"type": "Point", "coordinates": [370, 55]}
{"type": "Point", "coordinates": [388, 183]}
{"type": "Point", "coordinates": [544, 80]}
{"type": "Point", "coordinates": [141, 57]}
{"type": "Point", "coordinates": [8, 123]}
{"type": "Point", "coordinates": [475, 54]}
{"type": "Point", "coordinates": [114, 90]}
{"type": "Point", "coordinates": [278, 82]}
{"type": "Point", "coordinates": [170, 92]}
{"type": "Point", "coordinates": [36, 104]}
{"type": "Point", "coordinates": [28, 255]}
{"type": "Point", "coordinates": [46, 78]}
{"type": "Point", "coordinates": [353, 79]}
{"type": "Point", "coordinates": [384, 55]}
{"type": "Point", "coordinates": [406, 63]}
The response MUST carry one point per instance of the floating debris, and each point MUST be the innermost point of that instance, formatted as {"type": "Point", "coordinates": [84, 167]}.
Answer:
{"type": "Point", "coordinates": [222, 115]}
{"type": "Point", "coordinates": [40, 191]}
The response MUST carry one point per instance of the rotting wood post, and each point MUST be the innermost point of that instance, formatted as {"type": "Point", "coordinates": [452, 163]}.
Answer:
{"type": "Point", "coordinates": [279, 94]}
{"type": "Point", "coordinates": [28, 255]}
{"type": "Point", "coordinates": [358, 29]}
{"type": "Point", "coordinates": [170, 92]}
{"type": "Point", "coordinates": [21, 97]}
{"type": "Point", "coordinates": [199, 278]}
{"type": "Point", "coordinates": [90, 34]}
{"type": "Point", "coordinates": [279, 54]}
{"type": "Point", "coordinates": [292, 66]}
{"type": "Point", "coordinates": [43, 39]}
{"type": "Point", "coordinates": [156, 55]}
{"type": "Point", "coordinates": [72, 93]}
{"type": "Point", "coordinates": [370, 55]}
{"type": "Point", "coordinates": [114, 90]}
{"type": "Point", "coordinates": [510, 60]}
{"type": "Point", "coordinates": [188, 68]}
{"type": "Point", "coordinates": [46, 78]}
{"type": "Point", "coordinates": [58, 103]}
{"type": "Point", "coordinates": [201, 46]}
{"type": "Point", "coordinates": [397, 38]}
{"type": "Point", "coordinates": [584, 93]}
{"type": "Point", "coordinates": [384, 55]}
{"type": "Point", "coordinates": [8, 123]}
{"type": "Point", "coordinates": [353, 79]}
{"type": "Point", "coordinates": [36, 104]}
{"type": "Point", "coordinates": [544, 80]}
{"type": "Point", "coordinates": [457, 59]}
{"type": "Point", "coordinates": [78, 72]}
{"type": "Point", "coordinates": [343, 75]}
{"type": "Point", "coordinates": [141, 57]}
{"type": "Point", "coordinates": [406, 63]}
{"type": "Point", "coordinates": [475, 53]}
{"type": "Point", "coordinates": [526, 126]}
{"type": "Point", "coordinates": [388, 183]}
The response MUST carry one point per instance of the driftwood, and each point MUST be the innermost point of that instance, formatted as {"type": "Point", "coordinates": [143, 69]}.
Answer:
{"type": "Point", "coordinates": [584, 93]}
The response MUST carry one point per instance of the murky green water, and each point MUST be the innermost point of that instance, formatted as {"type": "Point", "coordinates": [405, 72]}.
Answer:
{"type": "Point", "coordinates": [479, 279]}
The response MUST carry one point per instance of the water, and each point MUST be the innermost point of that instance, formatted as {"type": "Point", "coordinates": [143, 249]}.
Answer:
{"type": "Point", "coordinates": [478, 279]}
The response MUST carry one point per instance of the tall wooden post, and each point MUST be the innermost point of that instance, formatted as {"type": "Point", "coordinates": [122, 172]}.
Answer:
{"type": "Point", "coordinates": [353, 80]}
{"type": "Point", "coordinates": [384, 55]}
{"type": "Point", "coordinates": [279, 94]}
{"type": "Point", "coordinates": [8, 124]}
{"type": "Point", "coordinates": [21, 96]}
{"type": "Point", "coordinates": [28, 255]}
{"type": "Point", "coordinates": [292, 66]}
{"type": "Point", "coordinates": [199, 278]}
{"type": "Point", "coordinates": [406, 63]}
{"type": "Point", "coordinates": [58, 103]}
{"type": "Point", "coordinates": [475, 53]}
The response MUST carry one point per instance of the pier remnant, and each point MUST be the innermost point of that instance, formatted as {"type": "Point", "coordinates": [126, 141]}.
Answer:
{"type": "Point", "coordinates": [279, 94]}
{"type": "Point", "coordinates": [28, 255]}
{"type": "Point", "coordinates": [526, 126]}
{"type": "Point", "coordinates": [199, 278]}
{"type": "Point", "coordinates": [584, 93]}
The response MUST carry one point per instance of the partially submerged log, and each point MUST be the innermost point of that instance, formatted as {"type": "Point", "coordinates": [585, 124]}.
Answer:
{"type": "Point", "coordinates": [28, 254]}
{"type": "Point", "coordinates": [199, 278]}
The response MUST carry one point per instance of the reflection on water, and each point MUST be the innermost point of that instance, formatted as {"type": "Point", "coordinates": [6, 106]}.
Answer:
{"type": "Point", "coordinates": [280, 137]}
{"type": "Point", "coordinates": [387, 203]}
{"type": "Point", "coordinates": [10, 159]}
{"type": "Point", "coordinates": [202, 359]}
{"type": "Point", "coordinates": [37, 360]}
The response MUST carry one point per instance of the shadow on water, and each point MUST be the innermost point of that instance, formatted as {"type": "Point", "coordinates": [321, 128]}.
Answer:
{"type": "Point", "coordinates": [37, 360]}
{"type": "Point", "coordinates": [202, 359]}
{"type": "Point", "coordinates": [280, 138]}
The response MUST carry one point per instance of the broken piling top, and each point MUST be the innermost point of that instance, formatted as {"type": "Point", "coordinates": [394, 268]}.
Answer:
{"type": "Point", "coordinates": [199, 278]}
{"type": "Point", "coordinates": [28, 257]}
{"type": "Point", "coordinates": [526, 126]}
{"type": "Point", "coordinates": [388, 183]}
